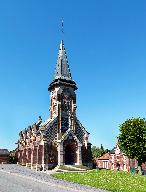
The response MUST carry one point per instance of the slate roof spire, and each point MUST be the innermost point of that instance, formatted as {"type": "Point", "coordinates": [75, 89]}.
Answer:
{"type": "Point", "coordinates": [62, 70]}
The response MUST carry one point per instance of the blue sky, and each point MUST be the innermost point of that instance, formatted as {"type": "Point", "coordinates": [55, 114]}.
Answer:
{"type": "Point", "coordinates": [106, 47]}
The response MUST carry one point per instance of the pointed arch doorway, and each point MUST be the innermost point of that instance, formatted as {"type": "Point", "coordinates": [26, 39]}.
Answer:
{"type": "Point", "coordinates": [70, 152]}
{"type": "Point", "coordinates": [69, 155]}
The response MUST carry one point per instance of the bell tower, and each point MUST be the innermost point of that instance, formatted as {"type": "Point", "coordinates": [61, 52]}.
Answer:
{"type": "Point", "coordinates": [61, 139]}
{"type": "Point", "coordinates": [63, 96]}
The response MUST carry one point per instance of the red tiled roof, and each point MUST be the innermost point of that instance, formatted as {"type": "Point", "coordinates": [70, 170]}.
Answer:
{"type": "Point", "coordinates": [104, 157]}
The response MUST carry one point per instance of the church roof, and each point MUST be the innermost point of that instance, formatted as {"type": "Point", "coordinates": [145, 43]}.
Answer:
{"type": "Point", "coordinates": [62, 70]}
{"type": "Point", "coordinates": [62, 74]}
{"type": "Point", "coordinates": [68, 133]}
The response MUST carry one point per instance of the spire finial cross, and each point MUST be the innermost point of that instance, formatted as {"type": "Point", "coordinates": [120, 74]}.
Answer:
{"type": "Point", "coordinates": [62, 26]}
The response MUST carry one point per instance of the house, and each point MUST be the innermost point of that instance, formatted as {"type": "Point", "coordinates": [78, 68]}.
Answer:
{"type": "Point", "coordinates": [103, 161]}
{"type": "Point", "coordinates": [4, 156]}
{"type": "Point", "coordinates": [116, 160]}
{"type": "Point", "coordinates": [61, 139]}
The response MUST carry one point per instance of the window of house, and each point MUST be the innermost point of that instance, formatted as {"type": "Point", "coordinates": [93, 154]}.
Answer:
{"type": "Point", "coordinates": [105, 164]}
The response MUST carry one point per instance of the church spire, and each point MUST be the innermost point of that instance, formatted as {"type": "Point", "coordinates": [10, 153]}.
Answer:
{"type": "Point", "coordinates": [62, 70]}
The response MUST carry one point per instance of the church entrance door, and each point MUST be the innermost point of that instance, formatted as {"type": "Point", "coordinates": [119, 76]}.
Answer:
{"type": "Point", "coordinates": [70, 154]}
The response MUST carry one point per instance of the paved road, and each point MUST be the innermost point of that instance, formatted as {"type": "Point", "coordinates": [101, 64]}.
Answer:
{"type": "Point", "coordinates": [14, 178]}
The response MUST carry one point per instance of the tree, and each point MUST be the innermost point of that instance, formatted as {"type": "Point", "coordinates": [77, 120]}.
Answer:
{"type": "Point", "coordinates": [102, 150]}
{"type": "Point", "coordinates": [98, 152]}
{"type": "Point", "coordinates": [132, 139]}
{"type": "Point", "coordinates": [13, 159]}
{"type": "Point", "coordinates": [95, 152]}
{"type": "Point", "coordinates": [106, 151]}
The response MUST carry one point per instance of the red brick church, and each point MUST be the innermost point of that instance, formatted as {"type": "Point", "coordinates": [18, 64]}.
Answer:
{"type": "Point", "coordinates": [61, 139]}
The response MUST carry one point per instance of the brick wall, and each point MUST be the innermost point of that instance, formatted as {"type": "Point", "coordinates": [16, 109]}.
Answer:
{"type": "Point", "coordinates": [4, 158]}
{"type": "Point", "coordinates": [40, 154]}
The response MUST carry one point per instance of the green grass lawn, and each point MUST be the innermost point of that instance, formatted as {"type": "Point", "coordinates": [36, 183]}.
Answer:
{"type": "Point", "coordinates": [107, 179]}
